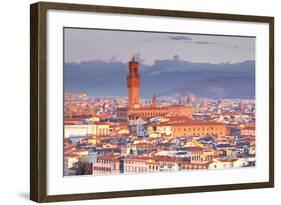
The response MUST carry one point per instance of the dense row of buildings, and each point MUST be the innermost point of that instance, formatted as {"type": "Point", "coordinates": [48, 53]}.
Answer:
{"type": "Point", "coordinates": [113, 135]}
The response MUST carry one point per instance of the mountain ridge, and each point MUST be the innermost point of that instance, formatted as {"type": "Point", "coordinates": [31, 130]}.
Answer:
{"type": "Point", "coordinates": [100, 78]}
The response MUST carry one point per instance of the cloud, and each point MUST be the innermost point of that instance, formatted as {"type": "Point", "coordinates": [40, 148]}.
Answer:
{"type": "Point", "coordinates": [139, 58]}
{"type": "Point", "coordinates": [113, 58]}
{"type": "Point", "coordinates": [151, 39]}
{"type": "Point", "coordinates": [188, 39]}
{"type": "Point", "coordinates": [204, 42]}
{"type": "Point", "coordinates": [180, 38]}
{"type": "Point", "coordinates": [231, 47]}
{"type": "Point", "coordinates": [176, 57]}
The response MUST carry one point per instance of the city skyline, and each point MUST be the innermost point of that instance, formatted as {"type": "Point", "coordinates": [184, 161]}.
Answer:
{"type": "Point", "coordinates": [124, 136]}
{"type": "Point", "coordinates": [197, 116]}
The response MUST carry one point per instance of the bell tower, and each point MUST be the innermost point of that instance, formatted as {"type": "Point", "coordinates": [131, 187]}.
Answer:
{"type": "Point", "coordinates": [133, 83]}
{"type": "Point", "coordinates": [154, 100]}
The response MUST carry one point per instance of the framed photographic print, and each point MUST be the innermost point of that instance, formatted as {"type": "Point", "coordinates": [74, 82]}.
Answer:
{"type": "Point", "coordinates": [134, 102]}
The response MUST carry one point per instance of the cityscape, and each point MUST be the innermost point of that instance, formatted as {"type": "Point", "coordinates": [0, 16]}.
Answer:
{"type": "Point", "coordinates": [130, 134]}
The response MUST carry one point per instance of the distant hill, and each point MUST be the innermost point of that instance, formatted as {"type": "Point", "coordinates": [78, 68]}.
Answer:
{"type": "Point", "coordinates": [215, 88]}
{"type": "Point", "coordinates": [164, 77]}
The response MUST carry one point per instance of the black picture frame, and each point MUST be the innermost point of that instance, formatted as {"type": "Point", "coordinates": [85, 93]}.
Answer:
{"type": "Point", "coordinates": [38, 100]}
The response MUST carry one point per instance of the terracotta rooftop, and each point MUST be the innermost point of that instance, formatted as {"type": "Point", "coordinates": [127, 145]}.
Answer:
{"type": "Point", "coordinates": [153, 158]}
{"type": "Point", "coordinates": [193, 149]}
{"type": "Point", "coordinates": [191, 123]}
{"type": "Point", "coordinates": [73, 120]}
{"type": "Point", "coordinates": [249, 128]}
{"type": "Point", "coordinates": [109, 157]}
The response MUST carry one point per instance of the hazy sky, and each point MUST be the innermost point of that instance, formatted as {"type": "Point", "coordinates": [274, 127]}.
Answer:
{"type": "Point", "coordinates": [107, 45]}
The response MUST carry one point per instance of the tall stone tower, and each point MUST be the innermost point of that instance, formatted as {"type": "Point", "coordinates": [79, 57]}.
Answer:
{"type": "Point", "coordinates": [154, 100]}
{"type": "Point", "coordinates": [133, 83]}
